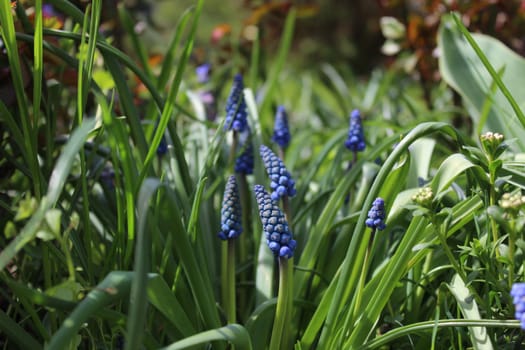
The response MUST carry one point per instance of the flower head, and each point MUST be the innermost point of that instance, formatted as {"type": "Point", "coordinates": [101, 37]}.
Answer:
{"type": "Point", "coordinates": [281, 132]}
{"type": "Point", "coordinates": [356, 136]}
{"type": "Point", "coordinates": [376, 215]}
{"type": "Point", "coordinates": [518, 299]}
{"type": "Point", "coordinates": [163, 147]}
{"type": "Point", "coordinates": [236, 115]}
{"type": "Point", "coordinates": [244, 162]}
{"type": "Point", "coordinates": [492, 143]}
{"type": "Point", "coordinates": [231, 226]}
{"type": "Point", "coordinates": [424, 197]}
{"type": "Point", "coordinates": [282, 183]}
{"type": "Point", "coordinates": [276, 230]}
{"type": "Point", "coordinates": [203, 73]}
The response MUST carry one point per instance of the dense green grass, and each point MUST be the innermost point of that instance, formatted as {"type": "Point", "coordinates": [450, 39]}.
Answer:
{"type": "Point", "coordinates": [132, 260]}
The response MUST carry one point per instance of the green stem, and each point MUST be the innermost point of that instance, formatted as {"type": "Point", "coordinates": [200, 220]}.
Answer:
{"type": "Point", "coordinates": [230, 280]}
{"type": "Point", "coordinates": [282, 314]}
{"type": "Point", "coordinates": [245, 239]}
{"type": "Point", "coordinates": [69, 260]}
{"type": "Point", "coordinates": [360, 287]}
{"type": "Point", "coordinates": [456, 266]}
{"type": "Point", "coordinates": [224, 276]}
{"type": "Point", "coordinates": [512, 240]}
{"type": "Point", "coordinates": [492, 201]}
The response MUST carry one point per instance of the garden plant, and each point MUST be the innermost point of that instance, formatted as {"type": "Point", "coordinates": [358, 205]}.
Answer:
{"type": "Point", "coordinates": [244, 203]}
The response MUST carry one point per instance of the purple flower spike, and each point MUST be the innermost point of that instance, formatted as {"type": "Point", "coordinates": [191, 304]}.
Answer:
{"type": "Point", "coordinates": [163, 147]}
{"type": "Point", "coordinates": [203, 73]}
{"type": "Point", "coordinates": [231, 218]}
{"type": "Point", "coordinates": [356, 137]}
{"type": "Point", "coordinates": [236, 115]}
{"type": "Point", "coordinates": [518, 299]}
{"type": "Point", "coordinates": [281, 132]}
{"type": "Point", "coordinates": [245, 162]}
{"type": "Point", "coordinates": [376, 215]}
{"type": "Point", "coordinates": [275, 227]}
{"type": "Point", "coordinates": [282, 183]}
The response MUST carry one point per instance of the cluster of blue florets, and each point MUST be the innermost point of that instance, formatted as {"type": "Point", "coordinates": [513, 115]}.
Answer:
{"type": "Point", "coordinates": [518, 299]}
{"type": "Point", "coordinates": [203, 73]}
{"type": "Point", "coordinates": [356, 136]}
{"type": "Point", "coordinates": [282, 183]}
{"type": "Point", "coordinates": [278, 235]}
{"type": "Point", "coordinates": [376, 215]}
{"type": "Point", "coordinates": [236, 114]}
{"type": "Point", "coordinates": [231, 218]}
{"type": "Point", "coordinates": [163, 147]}
{"type": "Point", "coordinates": [244, 162]}
{"type": "Point", "coordinates": [281, 132]}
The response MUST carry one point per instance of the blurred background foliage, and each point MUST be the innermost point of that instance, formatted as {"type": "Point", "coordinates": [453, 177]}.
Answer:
{"type": "Point", "coordinates": [339, 32]}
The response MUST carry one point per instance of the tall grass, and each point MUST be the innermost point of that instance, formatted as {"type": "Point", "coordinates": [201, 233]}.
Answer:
{"type": "Point", "coordinates": [108, 244]}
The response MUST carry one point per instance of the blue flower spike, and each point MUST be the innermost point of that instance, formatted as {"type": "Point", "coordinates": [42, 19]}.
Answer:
{"type": "Point", "coordinates": [282, 183]}
{"type": "Point", "coordinates": [518, 299]}
{"type": "Point", "coordinates": [356, 136]}
{"type": "Point", "coordinates": [231, 216]}
{"type": "Point", "coordinates": [236, 115]}
{"type": "Point", "coordinates": [163, 147]}
{"type": "Point", "coordinates": [203, 73]}
{"type": "Point", "coordinates": [281, 132]}
{"type": "Point", "coordinates": [278, 235]}
{"type": "Point", "coordinates": [244, 162]}
{"type": "Point", "coordinates": [376, 215]}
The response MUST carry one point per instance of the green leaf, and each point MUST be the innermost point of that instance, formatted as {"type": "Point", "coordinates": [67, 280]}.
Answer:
{"type": "Point", "coordinates": [68, 291]}
{"type": "Point", "coordinates": [449, 170]}
{"type": "Point", "coordinates": [27, 207]}
{"type": "Point", "coordinates": [115, 286]}
{"type": "Point", "coordinates": [233, 333]}
{"type": "Point", "coordinates": [53, 217]}
{"type": "Point", "coordinates": [56, 184]}
{"type": "Point", "coordinates": [103, 79]}
{"type": "Point", "coordinates": [463, 68]}
{"type": "Point", "coordinates": [12, 331]}
{"type": "Point", "coordinates": [160, 296]}
{"type": "Point", "coordinates": [469, 309]}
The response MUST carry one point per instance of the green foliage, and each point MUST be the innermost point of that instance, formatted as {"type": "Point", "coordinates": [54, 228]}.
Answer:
{"type": "Point", "coordinates": [110, 243]}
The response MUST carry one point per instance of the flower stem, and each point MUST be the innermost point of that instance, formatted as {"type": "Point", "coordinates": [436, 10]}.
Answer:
{"type": "Point", "coordinates": [280, 331]}
{"type": "Point", "coordinates": [230, 280]}
{"type": "Point", "coordinates": [512, 242]}
{"type": "Point", "coordinates": [245, 239]}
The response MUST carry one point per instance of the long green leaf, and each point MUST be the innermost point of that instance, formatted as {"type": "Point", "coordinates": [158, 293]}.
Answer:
{"type": "Point", "coordinates": [114, 287]}
{"type": "Point", "coordinates": [16, 334]}
{"type": "Point", "coordinates": [352, 263]}
{"type": "Point", "coordinates": [56, 184]}
{"type": "Point", "coordinates": [471, 66]}
{"type": "Point", "coordinates": [232, 333]}
{"type": "Point", "coordinates": [469, 308]}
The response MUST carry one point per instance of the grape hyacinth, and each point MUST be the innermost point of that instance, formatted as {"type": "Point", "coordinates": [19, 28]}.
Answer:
{"type": "Point", "coordinates": [231, 226]}
{"type": "Point", "coordinates": [281, 132]}
{"type": "Point", "coordinates": [356, 137]}
{"type": "Point", "coordinates": [203, 73]}
{"type": "Point", "coordinates": [276, 230]}
{"type": "Point", "coordinates": [518, 299]}
{"type": "Point", "coordinates": [282, 183]}
{"type": "Point", "coordinates": [244, 162]}
{"type": "Point", "coordinates": [236, 115]}
{"type": "Point", "coordinates": [376, 215]}
{"type": "Point", "coordinates": [163, 147]}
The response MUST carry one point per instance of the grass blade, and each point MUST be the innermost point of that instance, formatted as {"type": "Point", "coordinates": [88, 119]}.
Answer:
{"type": "Point", "coordinates": [56, 184]}
{"type": "Point", "coordinates": [233, 333]}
